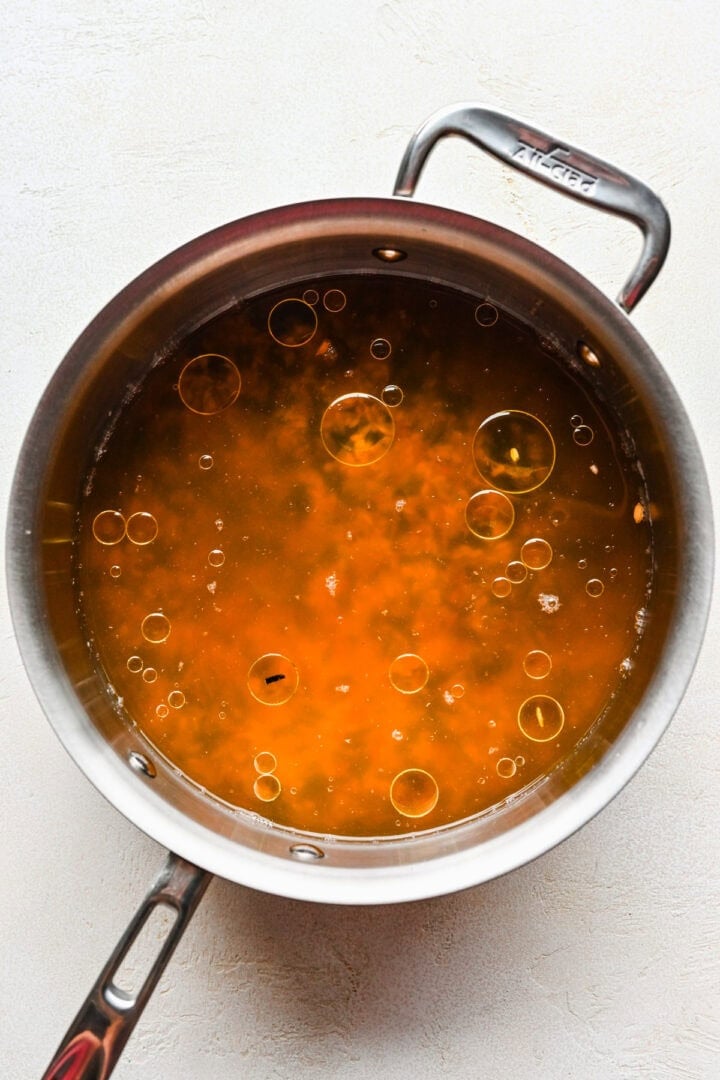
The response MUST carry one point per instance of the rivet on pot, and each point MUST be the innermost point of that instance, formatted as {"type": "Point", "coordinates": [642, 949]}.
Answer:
{"type": "Point", "coordinates": [306, 852]}
{"type": "Point", "coordinates": [388, 254]}
{"type": "Point", "coordinates": [140, 764]}
{"type": "Point", "coordinates": [587, 354]}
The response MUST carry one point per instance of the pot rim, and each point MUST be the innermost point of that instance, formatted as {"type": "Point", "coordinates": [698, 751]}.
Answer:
{"type": "Point", "coordinates": [320, 880]}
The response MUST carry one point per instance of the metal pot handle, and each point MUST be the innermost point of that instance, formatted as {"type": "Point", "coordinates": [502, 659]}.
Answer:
{"type": "Point", "coordinates": [97, 1036]}
{"type": "Point", "coordinates": [558, 165]}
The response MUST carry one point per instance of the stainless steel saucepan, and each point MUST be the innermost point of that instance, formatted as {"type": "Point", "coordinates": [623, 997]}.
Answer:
{"type": "Point", "coordinates": [395, 237]}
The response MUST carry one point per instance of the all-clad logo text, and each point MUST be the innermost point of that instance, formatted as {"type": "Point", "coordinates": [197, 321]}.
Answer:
{"type": "Point", "coordinates": [554, 165]}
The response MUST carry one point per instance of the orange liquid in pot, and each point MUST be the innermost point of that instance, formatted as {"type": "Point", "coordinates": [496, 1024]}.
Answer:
{"type": "Point", "coordinates": [363, 558]}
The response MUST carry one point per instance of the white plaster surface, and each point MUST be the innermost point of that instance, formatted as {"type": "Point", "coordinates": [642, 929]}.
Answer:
{"type": "Point", "coordinates": [128, 128]}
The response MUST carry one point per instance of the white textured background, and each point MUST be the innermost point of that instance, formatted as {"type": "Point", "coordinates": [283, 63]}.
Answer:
{"type": "Point", "coordinates": [130, 127]}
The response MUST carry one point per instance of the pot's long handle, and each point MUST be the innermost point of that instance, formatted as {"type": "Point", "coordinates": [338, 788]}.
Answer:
{"type": "Point", "coordinates": [98, 1034]}
{"type": "Point", "coordinates": [558, 165]}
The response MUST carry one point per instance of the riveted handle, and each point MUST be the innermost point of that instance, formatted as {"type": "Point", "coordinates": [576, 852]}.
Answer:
{"type": "Point", "coordinates": [98, 1034]}
{"type": "Point", "coordinates": [558, 165]}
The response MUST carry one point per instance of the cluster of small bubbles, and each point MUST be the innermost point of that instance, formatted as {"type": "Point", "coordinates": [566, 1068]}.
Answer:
{"type": "Point", "coordinates": [267, 787]}
{"type": "Point", "coordinates": [392, 395]}
{"type": "Point", "coordinates": [141, 528]}
{"type": "Point", "coordinates": [613, 573]}
{"type": "Point", "coordinates": [536, 553]}
{"type": "Point", "coordinates": [161, 710]}
{"type": "Point", "coordinates": [219, 524]}
{"type": "Point", "coordinates": [209, 384]}
{"type": "Point", "coordinates": [626, 666]}
{"type": "Point", "coordinates": [505, 767]}
{"type": "Point", "coordinates": [206, 461]}
{"type": "Point", "coordinates": [292, 323]}
{"type": "Point", "coordinates": [380, 348]}
{"type": "Point", "coordinates": [541, 718]}
{"type": "Point", "coordinates": [311, 297]}
{"type": "Point", "coordinates": [408, 673]}
{"type": "Point", "coordinates": [516, 571]}
{"type": "Point", "coordinates": [134, 664]}
{"type": "Point", "coordinates": [334, 300]}
{"type": "Point", "coordinates": [156, 628]}
{"type": "Point", "coordinates": [357, 429]}
{"type": "Point", "coordinates": [489, 514]}
{"type": "Point", "coordinates": [265, 762]}
{"type": "Point", "coordinates": [537, 664]}
{"type": "Point", "coordinates": [514, 451]}
{"type": "Point", "coordinates": [176, 699]}
{"type": "Point", "coordinates": [457, 691]}
{"type": "Point", "coordinates": [115, 571]}
{"type": "Point", "coordinates": [594, 587]}
{"type": "Point", "coordinates": [149, 674]}
{"type": "Point", "coordinates": [549, 602]}
{"type": "Point", "coordinates": [108, 527]}
{"type": "Point", "coordinates": [414, 793]}
{"type": "Point", "coordinates": [501, 587]}
{"type": "Point", "coordinates": [216, 557]}
{"type": "Point", "coordinates": [273, 679]}
{"type": "Point", "coordinates": [486, 314]}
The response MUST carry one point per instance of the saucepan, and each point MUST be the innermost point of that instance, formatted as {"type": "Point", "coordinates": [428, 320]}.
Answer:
{"type": "Point", "coordinates": [394, 237]}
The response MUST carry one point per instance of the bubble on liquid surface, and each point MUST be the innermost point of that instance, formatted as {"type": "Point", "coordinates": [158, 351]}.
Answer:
{"type": "Point", "coordinates": [162, 710]}
{"type": "Point", "coordinates": [505, 767]}
{"type": "Point", "coordinates": [514, 451]}
{"type": "Point", "coordinates": [115, 571]}
{"type": "Point", "coordinates": [156, 627]}
{"type": "Point", "coordinates": [486, 314]}
{"type": "Point", "coordinates": [457, 691]}
{"type": "Point", "coordinates": [408, 673]}
{"type": "Point", "coordinates": [311, 296]}
{"type": "Point", "coordinates": [135, 664]}
{"type": "Point", "coordinates": [380, 348]}
{"type": "Point", "coordinates": [357, 429]}
{"type": "Point", "coordinates": [109, 527]}
{"type": "Point", "coordinates": [576, 420]}
{"type": "Point", "coordinates": [205, 461]}
{"type": "Point", "coordinates": [516, 571]}
{"type": "Point", "coordinates": [583, 435]}
{"type": "Point", "coordinates": [501, 587]}
{"type": "Point", "coordinates": [392, 395]}
{"type": "Point", "coordinates": [216, 557]}
{"type": "Point", "coordinates": [142, 528]}
{"type": "Point", "coordinates": [265, 763]}
{"type": "Point", "coordinates": [414, 793]}
{"type": "Point", "coordinates": [209, 384]}
{"type": "Point", "coordinates": [292, 323]}
{"type": "Point", "coordinates": [267, 787]}
{"type": "Point", "coordinates": [537, 664]}
{"type": "Point", "coordinates": [273, 679]}
{"type": "Point", "coordinates": [541, 718]}
{"type": "Point", "coordinates": [536, 553]}
{"type": "Point", "coordinates": [334, 300]}
{"type": "Point", "coordinates": [176, 699]}
{"type": "Point", "coordinates": [594, 587]}
{"type": "Point", "coordinates": [149, 675]}
{"type": "Point", "coordinates": [489, 515]}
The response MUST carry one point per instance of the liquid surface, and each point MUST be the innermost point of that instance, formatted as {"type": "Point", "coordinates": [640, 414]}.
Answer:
{"type": "Point", "coordinates": [362, 558]}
